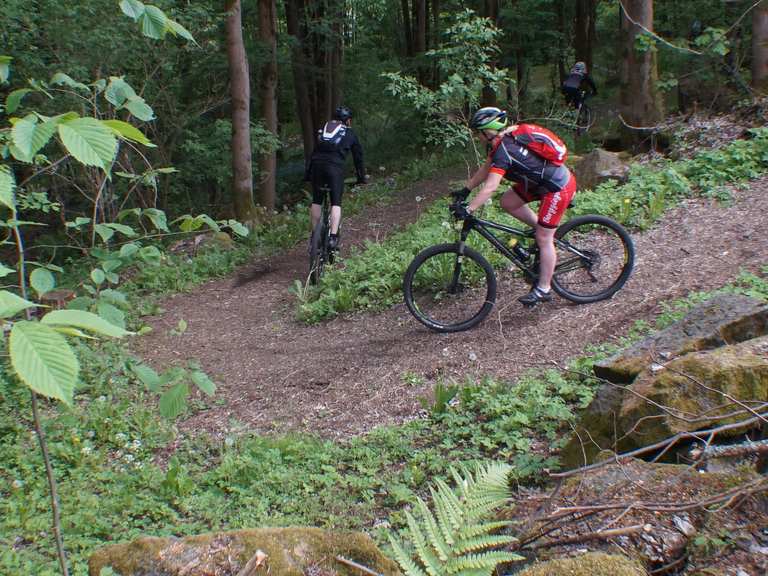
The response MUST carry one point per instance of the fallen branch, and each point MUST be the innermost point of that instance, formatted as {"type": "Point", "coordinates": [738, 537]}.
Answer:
{"type": "Point", "coordinates": [734, 450]}
{"type": "Point", "coordinates": [600, 535]}
{"type": "Point", "coordinates": [358, 566]}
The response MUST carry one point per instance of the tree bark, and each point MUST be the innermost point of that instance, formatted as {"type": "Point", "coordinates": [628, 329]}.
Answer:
{"type": "Point", "coordinates": [268, 160]}
{"type": "Point", "coordinates": [490, 11]}
{"type": "Point", "coordinates": [586, 12]}
{"type": "Point", "coordinates": [299, 64]}
{"type": "Point", "coordinates": [240, 91]}
{"type": "Point", "coordinates": [760, 47]}
{"type": "Point", "coordinates": [407, 29]}
{"type": "Point", "coordinates": [640, 102]}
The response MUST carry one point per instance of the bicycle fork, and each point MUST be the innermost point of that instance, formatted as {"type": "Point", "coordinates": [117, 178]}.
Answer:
{"type": "Point", "coordinates": [454, 286]}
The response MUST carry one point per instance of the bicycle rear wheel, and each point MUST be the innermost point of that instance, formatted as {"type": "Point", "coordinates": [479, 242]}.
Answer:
{"type": "Point", "coordinates": [318, 251]}
{"type": "Point", "coordinates": [448, 292]}
{"type": "Point", "coordinates": [595, 256]}
{"type": "Point", "coordinates": [583, 120]}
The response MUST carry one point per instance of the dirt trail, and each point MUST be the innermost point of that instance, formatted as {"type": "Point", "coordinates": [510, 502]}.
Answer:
{"type": "Point", "coordinates": [347, 376]}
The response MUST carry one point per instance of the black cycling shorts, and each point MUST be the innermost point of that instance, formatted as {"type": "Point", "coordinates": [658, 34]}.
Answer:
{"type": "Point", "coordinates": [326, 175]}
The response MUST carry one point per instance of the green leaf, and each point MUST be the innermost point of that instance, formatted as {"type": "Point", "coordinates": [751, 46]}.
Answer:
{"type": "Point", "coordinates": [153, 22]}
{"type": "Point", "coordinates": [173, 402]}
{"type": "Point", "coordinates": [4, 271]}
{"type": "Point", "coordinates": [151, 255]}
{"type": "Point", "coordinates": [122, 228]}
{"type": "Point", "coordinates": [111, 265]}
{"type": "Point", "coordinates": [28, 137]}
{"type": "Point", "coordinates": [111, 313]}
{"type": "Point", "coordinates": [43, 360]}
{"type": "Point", "coordinates": [129, 211]}
{"type": "Point", "coordinates": [128, 250]}
{"type": "Point", "coordinates": [119, 91]}
{"type": "Point", "coordinates": [79, 221]}
{"type": "Point", "coordinates": [61, 78]}
{"type": "Point", "coordinates": [69, 331]}
{"type": "Point", "coordinates": [238, 228]}
{"type": "Point", "coordinates": [139, 108]}
{"type": "Point", "coordinates": [98, 276]}
{"type": "Point", "coordinates": [14, 99]}
{"type": "Point", "coordinates": [203, 382]}
{"type": "Point", "coordinates": [114, 296]}
{"type": "Point", "coordinates": [104, 231]}
{"type": "Point", "coordinates": [7, 184]}
{"type": "Point", "coordinates": [11, 304]}
{"type": "Point", "coordinates": [132, 8]}
{"type": "Point", "coordinates": [146, 375]}
{"type": "Point", "coordinates": [84, 320]}
{"type": "Point", "coordinates": [127, 132]}
{"type": "Point", "coordinates": [5, 68]}
{"type": "Point", "coordinates": [158, 219]}
{"type": "Point", "coordinates": [178, 30]}
{"type": "Point", "coordinates": [42, 281]}
{"type": "Point", "coordinates": [89, 141]}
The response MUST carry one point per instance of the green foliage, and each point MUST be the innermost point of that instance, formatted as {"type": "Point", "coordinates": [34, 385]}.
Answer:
{"type": "Point", "coordinates": [456, 538]}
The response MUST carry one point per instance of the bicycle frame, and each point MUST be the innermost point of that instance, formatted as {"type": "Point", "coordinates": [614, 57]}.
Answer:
{"type": "Point", "coordinates": [484, 227]}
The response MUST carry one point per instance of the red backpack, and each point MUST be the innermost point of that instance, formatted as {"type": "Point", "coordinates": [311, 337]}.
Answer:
{"type": "Point", "coordinates": [541, 141]}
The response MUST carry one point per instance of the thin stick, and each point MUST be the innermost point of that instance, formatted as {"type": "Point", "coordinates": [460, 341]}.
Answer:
{"type": "Point", "coordinates": [358, 566]}
{"type": "Point", "coordinates": [604, 535]}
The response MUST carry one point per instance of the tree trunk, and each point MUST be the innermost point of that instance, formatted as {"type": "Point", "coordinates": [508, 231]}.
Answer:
{"type": "Point", "coordinates": [407, 29]}
{"type": "Point", "coordinates": [268, 160]}
{"type": "Point", "coordinates": [420, 35]}
{"type": "Point", "coordinates": [240, 90]}
{"type": "Point", "coordinates": [640, 102]}
{"type": "Point", "coordinates": [435, 41]}
{"type": "Point", "coordinates": [490, 11]}
{"type": "Point", "coordinates": [584, 26]}
{"type": "Point", "coordinates": [760, 47]}
{"type": "Point", "coordinates": [563, 42]}
{"type": "Point", "coordinates": [293, 8]}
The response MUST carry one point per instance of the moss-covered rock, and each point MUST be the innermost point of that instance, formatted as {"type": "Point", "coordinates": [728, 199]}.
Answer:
{"type": "Point", "coordinates": [289, 552]}
{"type": "Point", "coordinates": [591, 564]}
{"type": "Point", "coordinates": [724, 319]}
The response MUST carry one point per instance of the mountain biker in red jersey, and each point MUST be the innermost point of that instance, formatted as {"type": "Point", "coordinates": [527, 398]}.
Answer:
{"type": "Point", "coordinates": [578, 85]}
{"type": "Point", "coordinates": [326, 167]}
{"type": "Point", "coordinates": [535, 179]}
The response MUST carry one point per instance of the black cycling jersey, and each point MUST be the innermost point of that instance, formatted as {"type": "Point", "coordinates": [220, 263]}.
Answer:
{"type": "Point", "coordinates": [577, 81]}
{"type": "Point", "coordinates": [328, 151]}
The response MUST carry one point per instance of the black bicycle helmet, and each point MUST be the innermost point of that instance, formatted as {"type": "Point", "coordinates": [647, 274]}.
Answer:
{"type": "Point", "coordinates": [342, 113]}
{"type": "Point", "coordinates": [488, 118]}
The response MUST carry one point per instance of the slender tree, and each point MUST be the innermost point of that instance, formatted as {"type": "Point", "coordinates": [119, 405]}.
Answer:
{"type": "Point", "coordinates": [242, 169]}
{"type": "Point", "coordinates": [640, 102]}
{"type": "Point", "coordinates": [760, 47]}
{"type": "Point", "coordinates": [298, 35]}
{"type": "Point", "coordinates": [268, 160]}
{"type": "Point", "coordinates": [584, 26]}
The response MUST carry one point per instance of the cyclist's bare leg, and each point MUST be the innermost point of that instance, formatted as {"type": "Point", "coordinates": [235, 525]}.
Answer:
{"type": "Point", "coordinates": [335, 219]}
{"type": "Point", "coordinates": [314, 215]}
{"type": "Point", "coordinates": [513, 204]}
{"type": "Point", "coordinates": [545, 238]}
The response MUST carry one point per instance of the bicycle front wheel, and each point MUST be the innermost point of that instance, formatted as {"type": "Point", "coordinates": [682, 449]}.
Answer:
{"type": "Point", "coordinates": [595, 256]}
{"type": "Point", "coordinates": [318, 247]}
{"type": "Point", "coordinates": [583, 120]}
{"type": "Point", "coordinates": [449, 292]}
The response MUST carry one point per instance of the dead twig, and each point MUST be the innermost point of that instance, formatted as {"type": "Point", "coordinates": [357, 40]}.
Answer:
{"type": "Point", "coordinates": [357, 566]}
{"type": "Point", "coordinates": [258, 560]}
{"type": "Point", "coordinates": [734, 450]}
{"type": "Point", "coordinates": [599, 535]}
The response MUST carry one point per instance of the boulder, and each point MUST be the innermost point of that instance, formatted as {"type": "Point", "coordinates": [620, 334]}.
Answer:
{"type": "Point", "coordinates": [723, 319]}
{"type": "Point", "coordinates": [688, 387]}
{"type": "Point", "coordinates": [598, 166]}
{"type": "Point", "coordinates": [292, 551]}
{"type": "Point", "coordinates": [590, 564]}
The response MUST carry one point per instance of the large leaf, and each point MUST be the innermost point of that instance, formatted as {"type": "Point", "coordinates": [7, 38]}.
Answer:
{"type": "Point", "coordinates": [118, 91]}
{"type": "Point", "coordinates": [43, 360]}
{"type": "Point", "coordinates": [29, 136]}
{"type": "Point", "coordinates": [203, 382]}
{"type": "Point", "coordinates": [14, 99]}
{"type": "Point", "coordinates": [132, 8]}
{"type": "Point", "coordinates": [127, 131]}
{"type": "Point", "coordinates": [151, 255]}
{"type": "Point", "coordinates": [153, 22]}
{"type": "Point", "coordinates": [174, 401]}
{"type": "Point", "coordinates": [11, 304]}
{"type": "Point", "coordinates": [5, 68]}
{"type": "Point", "coordinates": [42, 281]}
{"type": "Point", "coordinates": [61, 78]}
{"type": "Point", "coordinates": [89, 141]}
{"type": "Point", "coordinates": [4, 270]}
{"type": "Point", "coordinates": [84, 320]}
{"type": "Point", "coordinates": [139, 108]}
{"type": "Point", "coordinates": [104, 232]}
{"type": "Point", "coordinates": [111, 313]}
{"type": "Point", "coordinates": [147, 375]}
{"type": "Point", "coordinates": [122, 228]}
{"type": "Point", "coordinates": [158, 218]}
{"type": "Point", "coordinates": [7, 184]}
{"type": "Point", "coordinates": [175, 28]}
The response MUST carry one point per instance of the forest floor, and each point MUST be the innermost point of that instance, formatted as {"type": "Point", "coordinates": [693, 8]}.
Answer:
{"type": "Point", "coordinates": [346, 376]}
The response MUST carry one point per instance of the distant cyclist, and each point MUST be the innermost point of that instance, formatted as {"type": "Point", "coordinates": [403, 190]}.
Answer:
{"type": "Point", "coordinates": [327, 165]}
{"type": "Point", "coordinates": [578, 86]}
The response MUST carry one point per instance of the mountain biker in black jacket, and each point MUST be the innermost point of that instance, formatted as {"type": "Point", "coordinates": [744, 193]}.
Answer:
{"type": "Point", "coordinates": [578, 85]}
{"type": "Point", "coordinates": [327, 164]}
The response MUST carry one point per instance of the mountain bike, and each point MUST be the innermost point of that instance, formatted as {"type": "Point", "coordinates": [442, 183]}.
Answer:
{"type": "Point", "coordinates": [452, 287]}
{"type": "Point", "coordinates": [583, 120]}
{"type": "Point", "coordinates": [319, 252]}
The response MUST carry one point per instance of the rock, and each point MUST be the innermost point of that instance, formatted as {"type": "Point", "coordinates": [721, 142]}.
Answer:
{"type": "Point", "coordinates": [590, 564]}
{"type": "Point", "coordinates": [599, 166]}
{"type": "Point", "coordinates": [724, 319]}
{"type": "Point", "coordinates": [289, 552]}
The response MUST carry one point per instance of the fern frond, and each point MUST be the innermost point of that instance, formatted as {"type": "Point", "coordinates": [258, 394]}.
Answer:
{"type": "Point", "coordinates": [474, 530]}
{"type": "Point", "coordinates": [451, 502]}
{"type": "Point", "coordinates": [410, 568]}
{"type": "Point", "coordinates": [483, 543]}
{"type": "Point", "coordinates": [435, 537]}
{"type": "Point", "coordinates": [492, 482]}
{"type": "Point", "coordinates": [446, 520]}
{"type": "Point", "coordinates": [428, 559]}
{"type": "Point", "coordinates": [486, 562]}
